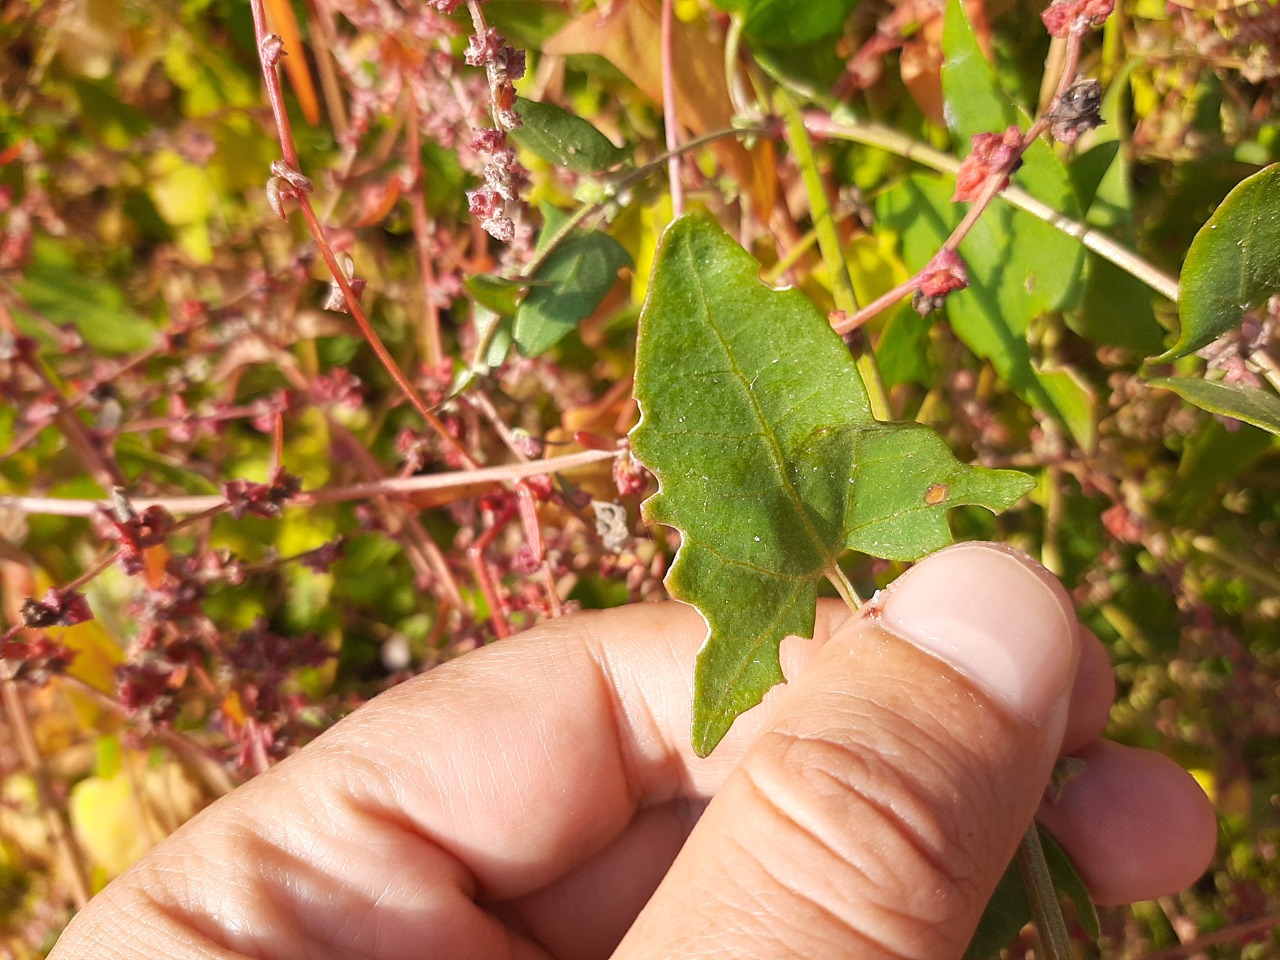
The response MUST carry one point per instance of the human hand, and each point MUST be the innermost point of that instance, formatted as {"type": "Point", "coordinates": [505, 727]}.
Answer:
{"type": "Point", "coordinates": [527, 800]}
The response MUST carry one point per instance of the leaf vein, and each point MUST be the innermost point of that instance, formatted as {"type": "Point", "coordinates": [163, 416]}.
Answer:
{"type": "Point", "coordinates": [777, 458]}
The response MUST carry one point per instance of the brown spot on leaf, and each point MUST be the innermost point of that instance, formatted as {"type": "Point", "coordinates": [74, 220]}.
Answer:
{"type": "Point", "coordinates": [935, 494]}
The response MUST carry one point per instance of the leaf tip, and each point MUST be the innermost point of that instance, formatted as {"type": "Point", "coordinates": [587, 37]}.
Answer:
{"type": "Point", "coordinates": [709, 728]}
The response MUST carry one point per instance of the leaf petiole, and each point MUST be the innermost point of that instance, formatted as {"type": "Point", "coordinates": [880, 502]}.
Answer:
{"type": "Point", "coordinates": [843, 587]}
{"type": "Point", "coordinates": [1051, 929]}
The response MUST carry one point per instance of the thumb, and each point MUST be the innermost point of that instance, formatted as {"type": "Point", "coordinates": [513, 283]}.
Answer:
{"type": "Point", "coordinates": [890, 787]}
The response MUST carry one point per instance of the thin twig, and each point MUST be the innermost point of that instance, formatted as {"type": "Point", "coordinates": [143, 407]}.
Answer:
{"type": "Point", "coordinates": [1229, 934]}
{"type": "Point", "coordinates": [669, 107]}
{"type": "Point", "coordinates": [54, 506]}
{"type": "Point", "coordinates": [625, 181]}
{"type": "Point", "coordinates": [884, 138]}
{"type": "Point", "coordinates": [104, 471]}
{"type": "Point", "coordinates": [290, 151]}
{"type": "Point", "coordinates": [897, 144]}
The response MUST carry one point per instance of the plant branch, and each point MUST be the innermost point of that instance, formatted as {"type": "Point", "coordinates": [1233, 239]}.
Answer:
{"type": "Point", "coordinates": [669, 109]}
{"type": "Point", "coordinates": [832, 250]}
{"type": "Point", "coordinates": [993, 186]}
{"type": "Point", "coordinates": [884, 138]}
{"type": "Point", "coordinates": [625, 181]}
{"type": "Point", "coordinates": [290, 151]}
{"type": "Point", "coordinates": [54, 506]}
{"type": "Point", "coordinates": [1229, 934]}
{"type": "Point", "coordinates": [1051, 929]}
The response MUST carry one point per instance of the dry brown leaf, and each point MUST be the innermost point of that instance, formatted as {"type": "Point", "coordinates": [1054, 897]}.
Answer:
{"type": "Point", "coordinates": [628, 35]}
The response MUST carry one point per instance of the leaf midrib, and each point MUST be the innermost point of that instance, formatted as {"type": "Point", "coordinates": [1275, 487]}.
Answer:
{"type": "Point", "coordinates": [777, 458]}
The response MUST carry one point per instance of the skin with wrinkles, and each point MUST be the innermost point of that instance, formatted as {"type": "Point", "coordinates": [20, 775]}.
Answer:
{"type": "Point", "coordinates": [527, 800]}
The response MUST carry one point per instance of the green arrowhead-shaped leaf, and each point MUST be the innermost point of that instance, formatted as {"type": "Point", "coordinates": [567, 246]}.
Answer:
{"type": "Point", "coordinates": [1261, 408]}
{"type": "Point", "coordinates": [559, 137]}
{"type": "Point", "coordinates": [1233, 264]}
{"type": "Point", "coordinates": [567, 289]}
{"type": "Point", "coordinates": [769, 461]}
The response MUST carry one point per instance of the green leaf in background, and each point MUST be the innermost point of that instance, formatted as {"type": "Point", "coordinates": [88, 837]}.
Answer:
{"type": "Point", "coordinates": [1010, 282]}
{"type": "Point", "coordinates": [56, 286]}
{"type": "Point", "coordinates": [577, 277]}
{"type": "Point", "coordinates": [528, 22]}
{"type": "Point", "coordinates": [560, 138]}
{"type": "Point", "coordinates": [1019, 267]}
{"type": "Point", "coordinates": [1117, 307]}
{"type": "Point", "coordinates": [1233, 264]}
{"type": "Point", "coordinates": [770, 463]}
{"type": "Point", "coordinates": [1260, 408]}
{"type": "Point", "coordinates": [499, 294]}
{"type": "Point", "coordinates": [1009, 911]}
{"type": "Point", "coordinates": [789, 23]}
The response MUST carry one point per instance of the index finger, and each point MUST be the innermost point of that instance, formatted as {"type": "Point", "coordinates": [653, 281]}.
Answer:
{"type": "Point", "coordinates": [485, 779]}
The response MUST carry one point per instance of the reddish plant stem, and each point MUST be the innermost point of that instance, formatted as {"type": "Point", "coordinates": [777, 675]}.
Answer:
{"type": "Point", "coordinates": [481, 27]}
{"type": "Point", "coordinates": [434, 348]}
{"type": "Point", "coordinates": [261, 762]}
{"type": "Point", "coordinates": [165, 423]}
{"type": "Point", "coordinates": [76, 399]}
{"type": "Point", "coordinates": [275, 94]}
{"type": "Point", "coordinates": [202, 759]}
{"type": "Point", "coordinates": [290, 151]}
{"type": "Point", "coordinates": [499, 615]}
{"type": "Point", "coordinates": [669, 107]}
{"type": "Point", "coordinates": [277, 443]}
{"type": "Point", "coordinates": [424, 554]}
{"type": "Point", "coordinates": [528, 507]}
{"type": "Point", "coordinates": [994, 183]}
{"type": "Point", "coordinates": [92, 571]}
{"type": "Point", "coordinates": [375, 341]}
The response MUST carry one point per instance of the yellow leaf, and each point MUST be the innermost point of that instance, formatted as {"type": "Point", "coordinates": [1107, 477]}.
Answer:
{"type": "Point", "coordinates": [119, 818]}
{"type": "Point", "coordinates": [21, 821]}
{"type": "Point", "coordinates": [97, 656]}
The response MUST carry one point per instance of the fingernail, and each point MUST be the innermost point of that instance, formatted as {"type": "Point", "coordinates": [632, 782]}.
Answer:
{"type": "Point", "coordinates": [991, 613]}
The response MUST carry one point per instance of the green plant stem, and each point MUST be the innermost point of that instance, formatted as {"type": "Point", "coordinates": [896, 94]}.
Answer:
{"type": "Point", "coordinates": [560, 236]}
{"type": "Point", "coordinates": [1051, 929]}
{"type": "Point", "coordinates": [823, 224]}
{"type": "Point", "coordinates": [843, 587]}
{"type": "Point", "coordinates": [832, 250]}
{"type": "Point", "coordinates": [790, 258]}
{"type": "Point", "coordinates": [630, 178]}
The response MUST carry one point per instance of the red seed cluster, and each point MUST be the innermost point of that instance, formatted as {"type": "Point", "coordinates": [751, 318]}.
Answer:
{"type": "Point", "coordinates": [990, 154]}
{"type": "Point", "coordinates": [1067, 16]}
